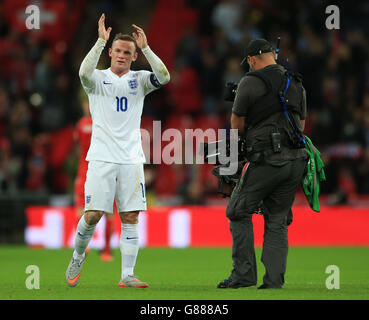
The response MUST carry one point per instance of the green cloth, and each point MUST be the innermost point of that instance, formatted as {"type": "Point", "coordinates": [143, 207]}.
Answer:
{"type": "Point", "coordinates": [314, 174]}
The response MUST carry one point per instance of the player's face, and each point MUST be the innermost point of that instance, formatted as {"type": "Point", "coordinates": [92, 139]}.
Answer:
{"type": "Point", "coordinates": [122, 54]}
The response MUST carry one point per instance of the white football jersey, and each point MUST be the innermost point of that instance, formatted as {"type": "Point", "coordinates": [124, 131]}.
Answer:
{"type": "Point", "coordinates": [116, 107]}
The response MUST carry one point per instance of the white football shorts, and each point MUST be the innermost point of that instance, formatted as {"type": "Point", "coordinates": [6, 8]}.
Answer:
{"type": "Point", "coordinates": [108, 181]}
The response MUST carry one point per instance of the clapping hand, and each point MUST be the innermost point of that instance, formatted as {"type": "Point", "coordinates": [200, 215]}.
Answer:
{"type": "Point", "coordinates": [140, 37]}
{"type": "Point", "coordinates": [103, 33]}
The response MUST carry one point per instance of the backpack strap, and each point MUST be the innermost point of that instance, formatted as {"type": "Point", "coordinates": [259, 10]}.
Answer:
{"type": "Point", "coordinates": [300, 141]}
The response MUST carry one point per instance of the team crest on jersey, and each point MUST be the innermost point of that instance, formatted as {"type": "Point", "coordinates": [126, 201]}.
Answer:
{"type": "Point", "coordinates": [133, 84]}
{"type": "Point", "coordinates": [88, 199]}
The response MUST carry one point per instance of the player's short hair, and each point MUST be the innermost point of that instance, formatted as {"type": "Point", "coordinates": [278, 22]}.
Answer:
{"type": "Point", "coordinates": [125, 37]}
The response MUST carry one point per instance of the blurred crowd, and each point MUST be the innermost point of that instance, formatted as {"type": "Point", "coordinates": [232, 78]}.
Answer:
{"type": "Point", "coordinates": [41, 97]}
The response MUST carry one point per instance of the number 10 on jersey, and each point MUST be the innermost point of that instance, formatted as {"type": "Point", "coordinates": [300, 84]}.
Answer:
{"type": "Point", "coordinates": [122, 103]}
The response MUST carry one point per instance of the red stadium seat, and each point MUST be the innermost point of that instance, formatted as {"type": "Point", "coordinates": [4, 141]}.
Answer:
{"type": "Point", "coordinates": [208, 179]}
{"type": "Point", "coordinates": [208, 121]}
{"type": "Point", "coordinates": [166, 184]}
{"type": "Point", "coordinates": [179, 122]}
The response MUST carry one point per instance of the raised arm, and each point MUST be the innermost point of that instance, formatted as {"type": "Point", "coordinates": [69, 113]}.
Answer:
{"type": "Point", "coordinates": [90, 62]}
{"type": "Point", "coordinates": [157, 66]}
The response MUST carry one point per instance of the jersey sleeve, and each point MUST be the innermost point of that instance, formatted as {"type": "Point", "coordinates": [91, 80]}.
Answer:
{"type": "Point", "coordinates": [148, 81]}
{"type": "Point", "coordinates": [89, 83]}
{"type": "Point", "coordinates": [157, 66]}
{"type": "Point", "coordinates": [87, 70]}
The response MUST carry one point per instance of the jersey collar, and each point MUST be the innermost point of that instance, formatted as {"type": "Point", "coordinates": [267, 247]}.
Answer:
{"type": "Point", "coordinates": [116, 76]}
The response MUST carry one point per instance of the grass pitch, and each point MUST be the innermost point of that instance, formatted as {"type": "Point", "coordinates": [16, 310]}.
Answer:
{"type": "Point", "coordinates": [182, 274]}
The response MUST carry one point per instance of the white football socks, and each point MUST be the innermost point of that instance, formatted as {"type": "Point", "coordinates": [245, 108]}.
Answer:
{"type": "Point", "coordinates": [128, 248]}
{"type": "Point", "coordinates": [84, 234]}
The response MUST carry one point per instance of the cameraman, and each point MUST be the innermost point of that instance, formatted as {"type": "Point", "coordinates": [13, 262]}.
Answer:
{"type": "Point", "coordinates": [276, 160]}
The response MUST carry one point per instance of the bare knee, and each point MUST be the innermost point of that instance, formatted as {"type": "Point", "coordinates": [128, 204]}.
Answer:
{"type": "Point", "coordinates": [93, 217]}
{"type": "Point", "coordinates": [80, 212]}
{"type": "Point", "coordinates": [129, 217]}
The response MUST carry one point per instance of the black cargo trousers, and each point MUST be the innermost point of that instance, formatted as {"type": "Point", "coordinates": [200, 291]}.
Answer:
{"type": "Point", "coordinates": [273, 185]}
